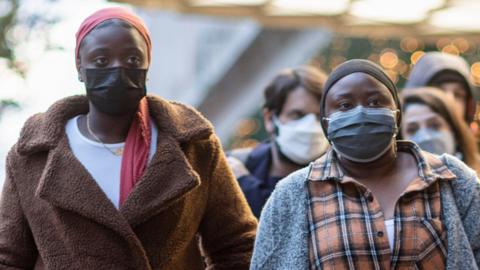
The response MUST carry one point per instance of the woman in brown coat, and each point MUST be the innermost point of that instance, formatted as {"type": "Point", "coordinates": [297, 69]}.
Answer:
{"type": "Point", "coordinates": [118, 179]}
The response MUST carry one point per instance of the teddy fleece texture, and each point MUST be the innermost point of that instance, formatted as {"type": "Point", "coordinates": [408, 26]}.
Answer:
{"type": "Point", "coordinates": [187, 210]}
{"type": "Point", "coordinates": [282, 238]}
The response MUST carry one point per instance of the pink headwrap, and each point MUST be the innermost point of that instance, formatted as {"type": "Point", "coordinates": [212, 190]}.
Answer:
{"type": "Point", "coordinates": [137, 144]}
{"type": "Point", "coordinates": [112, 13]}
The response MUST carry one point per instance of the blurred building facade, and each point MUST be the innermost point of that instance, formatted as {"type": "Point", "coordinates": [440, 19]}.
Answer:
{"type": "Point", "coordinates": [218, 55]}
{"type": "Point", "coordinates": [221, 66]}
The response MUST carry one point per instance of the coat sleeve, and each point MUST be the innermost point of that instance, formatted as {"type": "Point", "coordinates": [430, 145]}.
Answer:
{"type": "Point", "coordinates": [228, 227]}
{"type": "Point", "coordinates": [471, 211]}
{"type": "Point", "coordinates": [466, 189]}
{"type": "Point", "coordinates": [17, 247]}
{"type": "Point", "coordinates": [265, 240]}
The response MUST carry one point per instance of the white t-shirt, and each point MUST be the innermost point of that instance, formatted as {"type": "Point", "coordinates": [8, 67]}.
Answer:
{"type": "Point", "coordinates": [390, 226]}
{"type": "Point", "coordinates": [102, 165]}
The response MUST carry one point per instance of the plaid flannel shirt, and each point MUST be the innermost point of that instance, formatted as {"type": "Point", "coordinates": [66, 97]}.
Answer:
{"type": "Point", "coordinates": [347, 229]}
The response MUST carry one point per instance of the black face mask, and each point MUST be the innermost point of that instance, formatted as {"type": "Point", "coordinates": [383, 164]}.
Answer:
{"type": "Point", "coordinates": [115, 91]}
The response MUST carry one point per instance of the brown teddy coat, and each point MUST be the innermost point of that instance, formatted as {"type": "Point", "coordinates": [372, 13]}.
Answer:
{"type": "Point", "coordinates": [53, 215]}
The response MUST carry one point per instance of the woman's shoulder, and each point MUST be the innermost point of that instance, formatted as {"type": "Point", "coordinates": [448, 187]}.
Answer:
{"type": "Point", "coordinates": [43, 130]}
{"type": "Point", "coordinates": [466, 186]}
{"type": "Point", "coordinates": [293, 185]}
{"type": "Point", "coordinates": [463, 173]}
{"type": "Point", "coordinates": [295, 179]}
{"type": "Point", "coordinates": [289, 194]}
{"type": "Point", "coordinates": [286, 206]}
{"type": "Point", "coordinates": [31, 135]}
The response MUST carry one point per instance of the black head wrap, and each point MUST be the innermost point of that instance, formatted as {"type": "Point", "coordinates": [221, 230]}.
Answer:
{"type": "Point", "coordinates": [362, 66]}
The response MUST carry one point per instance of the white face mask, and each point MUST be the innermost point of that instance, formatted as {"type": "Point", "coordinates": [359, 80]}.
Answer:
{"type": "Point", "coordinates": [302, 140]}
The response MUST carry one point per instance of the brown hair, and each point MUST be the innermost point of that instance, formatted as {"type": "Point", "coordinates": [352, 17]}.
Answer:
{"type": "Point", "coordinates": [442, 104]}
{"type": "Point", "coordinates": [310, 78]}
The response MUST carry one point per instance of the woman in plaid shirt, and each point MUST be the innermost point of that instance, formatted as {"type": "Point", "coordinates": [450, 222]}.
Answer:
{"type": "Point", "coordinates": [372, 201]}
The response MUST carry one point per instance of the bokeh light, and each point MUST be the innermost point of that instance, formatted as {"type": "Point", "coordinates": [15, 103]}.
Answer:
{"type": "Point", "coordinates": [442, 42]}
{"type": "Point", "coordinates": [393, 75]}
{"type": "Point", "coordinates": [451, 49]}
{"type": "Point", "coordinates": [475, 70]}
{"type": "Point", "coordinates": [462, 44]}
{"type": "Point", "coordinates": [246, 127]}
{"type": "Point", "coordinates": [389, 59]}
{"type": "Point", "coordinates": [409, 44]}
{"type": "Point", "coordinates": [416, 56]}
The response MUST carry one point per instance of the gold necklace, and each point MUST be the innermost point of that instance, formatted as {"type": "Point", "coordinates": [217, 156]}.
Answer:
{"type": "Point", "coordinates": [116, 152]}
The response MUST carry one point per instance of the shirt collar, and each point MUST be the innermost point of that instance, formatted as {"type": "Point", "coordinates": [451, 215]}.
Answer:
{"type": "Point", "coordinates": [430, 166]}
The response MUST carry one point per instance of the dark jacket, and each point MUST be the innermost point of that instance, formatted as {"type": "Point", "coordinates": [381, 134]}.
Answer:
{"type": "Point", "coordinates": [433, 63]}
{"type": "Point", "coordinates": [51, 209]}
{"type": "Point", "coordinates": [258, 185]}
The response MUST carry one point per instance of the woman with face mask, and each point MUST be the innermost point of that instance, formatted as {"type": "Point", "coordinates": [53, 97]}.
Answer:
{"type": "Point", "coordinates": [119, 179]}
{"type": "Point", "coordinates": [431, 121]}
{"type": "Point", "coordinates": [372, 201]}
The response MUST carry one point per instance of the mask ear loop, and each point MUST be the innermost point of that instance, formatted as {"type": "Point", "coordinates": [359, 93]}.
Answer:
{"type": "Point", "coordinates": [397, 112]}
{"type": "Point", "coordinates": [275, 122]}
{"type": "Point", "coordinates": [395, 145]}
{"type": "Point", "coordinates": [326, 131]}
{"type": "Point", "coordinates": [394, 137]}
{"type": "Point", "coordinates": [79, 74]}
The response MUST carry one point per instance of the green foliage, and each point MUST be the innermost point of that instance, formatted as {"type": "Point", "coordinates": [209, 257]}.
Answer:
{"type": "Point", "coordinates": [9, 103]}
{"type": "Point", "coordinates": [27, 22]}
{"type": "Point", "coordinates": [10, 19]}
{"type": "Point", "coordinates": [7, 22]}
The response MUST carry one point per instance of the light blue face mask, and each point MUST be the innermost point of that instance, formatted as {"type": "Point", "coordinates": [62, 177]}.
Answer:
{"type": "Point", "coordinates": [435, 141]}
{"type": "Point", "coordinates": [362, 134]}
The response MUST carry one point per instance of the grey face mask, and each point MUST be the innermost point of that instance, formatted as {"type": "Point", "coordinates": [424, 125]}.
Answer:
{"type": "Point", "coordinates": [434, 141]}
{"type": "Point", "coordinates": [362, 134]}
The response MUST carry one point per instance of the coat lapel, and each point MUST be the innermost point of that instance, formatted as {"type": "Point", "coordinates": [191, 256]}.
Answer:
{"type": "Point", "coordinates": [66, 184]}
{"type": "Point", "coordinates": [167, 178]}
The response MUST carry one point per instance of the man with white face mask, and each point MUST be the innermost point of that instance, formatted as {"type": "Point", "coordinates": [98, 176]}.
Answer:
{"type": "Point", "coordinates": [291, 116]}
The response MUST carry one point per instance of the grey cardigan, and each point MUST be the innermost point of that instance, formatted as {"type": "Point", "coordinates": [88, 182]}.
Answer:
{"type": "Point", "coordinates": [282, 237]}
